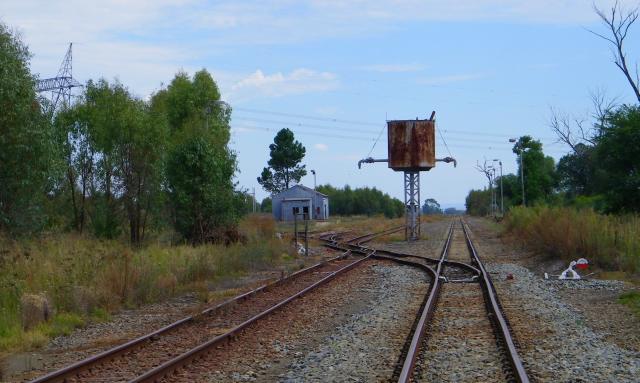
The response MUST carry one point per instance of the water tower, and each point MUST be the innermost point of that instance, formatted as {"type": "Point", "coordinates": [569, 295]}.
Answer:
{"type": "Point", "coordinates": [411, 149]}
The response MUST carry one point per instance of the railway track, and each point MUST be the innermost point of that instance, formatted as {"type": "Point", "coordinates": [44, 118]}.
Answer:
{"type": "Point", "coordinates": [159, 354]}
{"type": "Point", "coordinates": [460, 334]}
{"type": "Point", "coordinates": [466, 296]}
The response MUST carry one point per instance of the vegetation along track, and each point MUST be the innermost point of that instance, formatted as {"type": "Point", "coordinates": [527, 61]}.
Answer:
{"type": "Point", "coordinates": [460, 333]}
{"type": "Point", "coordinates": [128, 361]}
{"type": "Point", "coordinates": [157, 354]}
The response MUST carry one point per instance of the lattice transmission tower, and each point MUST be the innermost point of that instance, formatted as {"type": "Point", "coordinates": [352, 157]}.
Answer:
{"type": "Point", "coordinates": [61, 85]}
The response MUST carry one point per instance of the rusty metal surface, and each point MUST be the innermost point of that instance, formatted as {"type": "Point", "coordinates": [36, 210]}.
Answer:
{"type": "Point", "coordinates": [411, 145]}
{"type": "Point", "coordinates": [425, 315]}
{"type": "Point", "coordinates": [494, 306]}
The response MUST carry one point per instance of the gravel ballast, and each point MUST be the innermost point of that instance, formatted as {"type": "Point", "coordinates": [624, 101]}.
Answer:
{"type": "Point", "coordinates": [555, 343]}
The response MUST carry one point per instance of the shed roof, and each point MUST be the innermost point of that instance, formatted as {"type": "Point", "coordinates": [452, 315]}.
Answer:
{"type": "Point", "coordinates": [300, 186]}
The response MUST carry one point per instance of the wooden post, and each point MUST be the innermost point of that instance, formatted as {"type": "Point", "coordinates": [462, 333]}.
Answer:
{"type": "Point", "coordinates": [306, 236]}
{"type": "Point", "coordinates": [295, 229]}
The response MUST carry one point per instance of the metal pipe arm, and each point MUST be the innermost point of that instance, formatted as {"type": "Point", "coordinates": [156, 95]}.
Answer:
{"type": "Point", "coordinates": [370, 160]}
{"type": "Point", "coordinates": [447, 160]}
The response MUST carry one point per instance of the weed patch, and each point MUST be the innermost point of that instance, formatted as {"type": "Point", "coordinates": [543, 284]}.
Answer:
{"type": "Point", "coordinates": [610, 242]}
{"type": "Point", "coordinates": [86, 279]}
{"type": "Point", "coordinates": [631, 299]}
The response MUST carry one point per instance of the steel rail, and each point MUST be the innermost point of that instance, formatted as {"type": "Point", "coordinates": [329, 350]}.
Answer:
{"type": "Point", "coordinates": [425, 315]}
{"type": "Point", "coordinates": [494, 306]}
{"type": "Point", "coordinates": [370, 236]}
{"type": "Point", "coordinates": [457, 264]}
{"type": "Point", "coordinates": [103, 357]}
{"type": "Point", "coordinates": [200, 351]}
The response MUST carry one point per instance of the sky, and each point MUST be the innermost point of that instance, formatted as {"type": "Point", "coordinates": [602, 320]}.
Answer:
{"type": "Point", "coordinates": [335, 71]}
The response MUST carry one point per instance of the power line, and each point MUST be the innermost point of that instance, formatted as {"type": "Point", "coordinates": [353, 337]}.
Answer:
{"type": "Point", "coordinates": [374, 144]}
{"type": "Point", "coordinates": [363, 131]}
{"type": "Point", "coordinates": [498, 146]}
{"type": "Point", "coordinates": [307, 117]}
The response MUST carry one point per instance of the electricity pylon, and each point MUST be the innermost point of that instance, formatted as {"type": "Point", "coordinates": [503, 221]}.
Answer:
{"type": "Point", "coordinates": [61, 85]}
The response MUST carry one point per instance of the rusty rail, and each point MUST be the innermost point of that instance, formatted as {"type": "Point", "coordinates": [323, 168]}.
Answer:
{"type": "Point", "coordinates": [492, 304]}
{"type": "Point", "coordinates": [425, 315]}
{"type": "Point", "coordinates": [176, 363]}
{"type": "Point", "coordinates": [494, 307]}
{"type": "Point", "coordinates": [74, 369]}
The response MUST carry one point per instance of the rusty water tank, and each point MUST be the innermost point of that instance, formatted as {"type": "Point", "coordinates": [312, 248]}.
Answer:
{"type": "Point", "coordinates": [412, 144]}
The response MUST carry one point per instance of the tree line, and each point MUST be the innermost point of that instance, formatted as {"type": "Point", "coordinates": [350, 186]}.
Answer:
{"type": "Point", "coordinates": [112, 163]}
{"type": "Point", "coordinates": [602, 169]}
{"type": "Point", "coordinates": [603, 174]}
{"type": "Point", "coordinates": [361, 201]}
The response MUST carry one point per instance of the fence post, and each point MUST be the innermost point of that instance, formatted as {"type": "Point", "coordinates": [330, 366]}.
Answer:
{"type": "Point", "coordinates": [306, 236]}
{"type": "Point", "coordinates": [295, 229]}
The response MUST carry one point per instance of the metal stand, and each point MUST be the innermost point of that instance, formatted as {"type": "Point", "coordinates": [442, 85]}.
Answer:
{"type": "Point", "coordinates": [412, 205]}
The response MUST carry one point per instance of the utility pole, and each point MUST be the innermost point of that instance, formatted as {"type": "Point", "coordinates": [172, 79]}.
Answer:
{"type": "Point", "coordinates": [501, 188]}
{"type": "Point", "coordinates": [490, 176]}
{"type": "Point", "coordinates": [254, 199]}
{"type": "Point", "coordinates": [520, 150]}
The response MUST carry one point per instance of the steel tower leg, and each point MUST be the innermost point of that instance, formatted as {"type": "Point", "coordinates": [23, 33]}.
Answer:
{"type": "Point", "coordinates": [412, 205]}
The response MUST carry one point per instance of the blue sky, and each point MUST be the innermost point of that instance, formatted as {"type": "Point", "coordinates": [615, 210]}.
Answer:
{"type": "Point", "coordinates": [333, 71]}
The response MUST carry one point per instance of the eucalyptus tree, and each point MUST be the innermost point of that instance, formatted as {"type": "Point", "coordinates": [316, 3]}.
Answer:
{"type": "Point", "coordinates": [200, 166]}
{"type": "Point", "coordinates": [26, 150]}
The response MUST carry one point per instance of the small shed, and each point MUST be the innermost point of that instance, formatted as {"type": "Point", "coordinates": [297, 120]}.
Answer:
{"type": "Point", "coordinates": [300, 200]}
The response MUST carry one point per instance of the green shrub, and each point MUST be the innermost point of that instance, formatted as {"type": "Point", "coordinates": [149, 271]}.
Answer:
{"type": "Point", "coordinates": [631, 299]}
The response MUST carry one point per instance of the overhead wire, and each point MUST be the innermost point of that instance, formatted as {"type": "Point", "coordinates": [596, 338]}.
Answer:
{"type": "Point", "coordinates": [496, 145]}
{"type": "Point", "coordinates": [356, 122]}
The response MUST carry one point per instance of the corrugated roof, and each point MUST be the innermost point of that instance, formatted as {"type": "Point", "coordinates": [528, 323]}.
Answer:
{"type": "Point", "coordinates": [303, 188]}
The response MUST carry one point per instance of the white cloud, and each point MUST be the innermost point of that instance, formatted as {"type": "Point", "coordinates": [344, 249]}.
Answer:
{"type": "Point", "coordinates": [144, 42]}
{"type": "Point", "coordinates": [538, 11]}
{"type": "Point", "coordinates": [439, 80]}
{"type": "Point", "coordinates": [321, 147]}
{"type": "Point", "coordinates": [298, 81]}
{"type": "Point", "coordinates": [394, 68]}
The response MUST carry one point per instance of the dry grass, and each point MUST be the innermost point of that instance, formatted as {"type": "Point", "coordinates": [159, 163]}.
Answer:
{"type": "Point", "coordinates": [85, 278]}
{"type": "Point", "coordinates": [361, 225]}
{"type": "Point", "coordinates": [611, 242]}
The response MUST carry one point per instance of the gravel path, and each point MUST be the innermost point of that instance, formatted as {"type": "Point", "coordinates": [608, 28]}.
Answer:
{"type": "Point", "coordinates": [555, 343]}
{"type": "Point", "coordinates": [394, 301]}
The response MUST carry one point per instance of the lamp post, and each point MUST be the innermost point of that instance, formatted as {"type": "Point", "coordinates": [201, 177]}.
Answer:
{"type": "Point", "coordinates": [314, 178]}
{"type": "Point", "coordinates": [520, 150]}
{"type": "Point", "coordinates": [490, 174]}
{"type": "Point", "coordinates": [501, 188]}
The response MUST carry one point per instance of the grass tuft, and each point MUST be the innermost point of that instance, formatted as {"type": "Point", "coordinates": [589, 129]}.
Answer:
{"type": "Point", "coordinates": [631, 299]}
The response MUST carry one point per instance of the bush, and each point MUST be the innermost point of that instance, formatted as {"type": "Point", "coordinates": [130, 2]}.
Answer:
{"type": "Point", "coordinates": [86, 279]}
{"type": "Point", "coordinates": [611, 242]}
